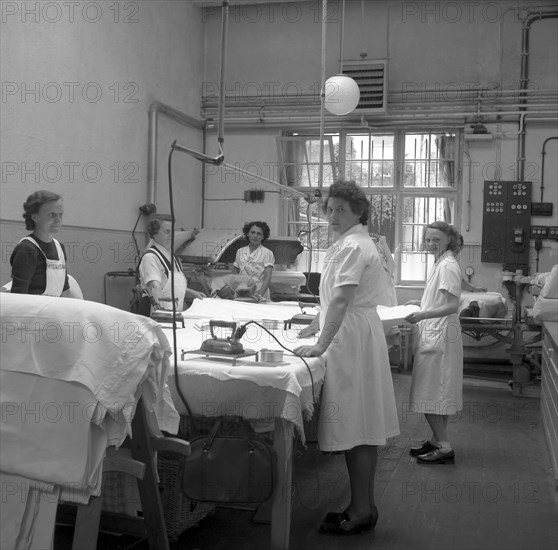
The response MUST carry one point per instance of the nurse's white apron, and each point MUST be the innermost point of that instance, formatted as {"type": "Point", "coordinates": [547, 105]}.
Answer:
{"type": "Point", "coordinates": [180, 283]}
{"type": "Point", "coordinates": [55, 269]}
{"type": "Point", "coordinates": [437, 378]}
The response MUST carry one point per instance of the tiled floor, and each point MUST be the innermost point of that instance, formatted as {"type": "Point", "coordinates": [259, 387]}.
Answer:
{"type": "Point", "coordinates": [500, 494]}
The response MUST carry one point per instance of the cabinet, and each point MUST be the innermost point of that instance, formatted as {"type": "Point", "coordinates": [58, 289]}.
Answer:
{"type": "Point", "coordinates": [549, 390]}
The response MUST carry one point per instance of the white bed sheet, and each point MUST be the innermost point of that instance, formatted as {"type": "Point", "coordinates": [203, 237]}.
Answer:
{"type": "Point", "coordinates": [230, 310]}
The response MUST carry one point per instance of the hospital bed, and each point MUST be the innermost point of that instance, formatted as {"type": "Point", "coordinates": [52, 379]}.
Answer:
{"type": "Point", "coordinates": [501, 334]}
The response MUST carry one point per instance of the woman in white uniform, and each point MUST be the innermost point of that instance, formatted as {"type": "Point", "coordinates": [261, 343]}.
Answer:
{"type": "Point", "coordinates": [255, 260]}
{"type": "Point", "coordinates": [437, 380]}
{"type": "Point", "coordinates": [155, 268]}
{"type": "Point", "coordinates": [38, 261]}
{"type": "Point", "coordinates": [358, 410]}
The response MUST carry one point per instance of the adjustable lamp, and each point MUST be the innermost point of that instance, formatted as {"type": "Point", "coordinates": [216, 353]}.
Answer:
{"type": "Point", "coordinates": [341, 94]}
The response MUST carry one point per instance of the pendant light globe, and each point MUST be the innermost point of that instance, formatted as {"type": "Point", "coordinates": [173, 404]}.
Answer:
{"type": "Point", "coordinates": [342, 94]}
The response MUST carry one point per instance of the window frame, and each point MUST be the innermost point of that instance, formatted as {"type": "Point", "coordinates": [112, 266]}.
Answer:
{"type": "Point", "coordinates": [398, 190]}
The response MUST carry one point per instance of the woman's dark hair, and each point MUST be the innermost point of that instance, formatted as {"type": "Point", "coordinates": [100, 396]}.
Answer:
{"type": "Point", "coordinates": [352, 193]}
{"type": "Point", "coordinates": [455, 239]}
{"type": "Point", "coordinates": [154, 223]}
{"type": "Point", "coordinates": [33, 204]}
{"type": "Point", "coordinates": [262, 225]}
{"type": "Point", "coordinates": [460, 244]}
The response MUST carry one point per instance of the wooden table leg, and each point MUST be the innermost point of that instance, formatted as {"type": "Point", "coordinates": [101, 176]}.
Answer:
{"type": "Point", "coordinates": [141, 447]}
{"type": "Point", "coordinates": [281, 500]}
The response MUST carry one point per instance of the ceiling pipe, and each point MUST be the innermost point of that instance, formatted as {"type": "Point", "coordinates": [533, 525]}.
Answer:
{"type": "Point", "coordinates": [524, 77]}
{"type": "Point", "coordinates": [155, 109]}
{"type": "Point", "coordinates": [424, 118]}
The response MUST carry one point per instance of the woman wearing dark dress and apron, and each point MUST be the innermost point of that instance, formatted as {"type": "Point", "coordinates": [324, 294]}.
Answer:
{"type": "Point", "coordinates": [38, 261]}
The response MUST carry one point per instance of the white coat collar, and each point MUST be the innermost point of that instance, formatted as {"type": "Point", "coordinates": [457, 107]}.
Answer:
{"type": "Point", "coordinates": [355, 230]}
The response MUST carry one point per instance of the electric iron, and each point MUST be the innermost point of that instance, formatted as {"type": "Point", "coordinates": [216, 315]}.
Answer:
{"type": "Point", "coordinates": [224, 346]}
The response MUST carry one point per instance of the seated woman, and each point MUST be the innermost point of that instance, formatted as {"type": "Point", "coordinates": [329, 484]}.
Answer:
{"type": "Point", "coordinates": [255, 260]}
{"type": "Point", "coordinates": [155, 269]}
{"type": "Point", "coordinates": [39, 261]}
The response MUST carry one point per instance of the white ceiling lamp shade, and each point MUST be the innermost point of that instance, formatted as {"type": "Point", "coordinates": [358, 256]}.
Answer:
{"type": "Point", "coordinates": [342, 94]}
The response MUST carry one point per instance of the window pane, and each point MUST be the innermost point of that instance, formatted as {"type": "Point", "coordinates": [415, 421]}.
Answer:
{"type": "Point", "coordinates": [430, 160]}
{"type": "Point", "coordinates": [420, 211]}
{"type": "Point", "coordinates": [413, 267]}
{"type": "Point", "coordinates": [382, 174]}
{"type": "Point", "coordinates": [300, 160]}
{"type": "Point", "coordinates": [370, 159]}
{"type": "Point", "coordinates": [357, 171]}
{"type": "Point", "coordinates": [382, 217]}
{"type": "Point", "coordinates": [319, 228]}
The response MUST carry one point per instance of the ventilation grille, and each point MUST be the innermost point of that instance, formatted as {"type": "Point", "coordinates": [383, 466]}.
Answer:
{"type": "Point", "coordinates": [372, 82]}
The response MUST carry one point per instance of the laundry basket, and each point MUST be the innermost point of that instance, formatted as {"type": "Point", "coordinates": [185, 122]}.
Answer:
{"type": "Point", "coordinates": [120, 495]}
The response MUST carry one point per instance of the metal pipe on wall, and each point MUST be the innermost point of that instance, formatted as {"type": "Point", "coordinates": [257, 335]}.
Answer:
{"type": "Point", "coordinates": [456, 119]}
{"type": "Point", "coordinates": [322, 94]}
{"type": "Point", "coordinates": [543, 154]}
{"type": "Point", "coordinates": [524, 78]}
{"type": "Point", "coordinates": [155, 109]}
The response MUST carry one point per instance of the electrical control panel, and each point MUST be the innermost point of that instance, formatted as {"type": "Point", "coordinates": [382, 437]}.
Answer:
{"type": "Point", "coordinates": [539, 232]}
{"type": "Point", "coordinates": [506, 227]}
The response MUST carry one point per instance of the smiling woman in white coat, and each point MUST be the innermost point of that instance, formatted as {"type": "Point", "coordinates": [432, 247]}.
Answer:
{"type": "Point", "coordinates": [437, 380]}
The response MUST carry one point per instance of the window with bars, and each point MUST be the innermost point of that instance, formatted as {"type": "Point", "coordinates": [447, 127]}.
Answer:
{"type": "Point", "coordinates": [410, 178]}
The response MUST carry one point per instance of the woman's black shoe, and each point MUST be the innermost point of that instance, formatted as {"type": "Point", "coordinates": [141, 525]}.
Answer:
{"type": "Point", "coordinates": [334, 518]}
{"type": "Point", "coordinates": [425, 447]}
{"type": "Point", "coordinates": [437, 456]}
{"type": "Point", "coordinates": [341, 524]}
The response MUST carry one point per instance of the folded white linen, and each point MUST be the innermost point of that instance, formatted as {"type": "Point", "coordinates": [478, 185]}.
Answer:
{"type": "Point", "coordinates": [47, 435]}
{"type": "Point", "coordinates": [231, 310]}
{"type": "Point", "coordinates": [111, 352]}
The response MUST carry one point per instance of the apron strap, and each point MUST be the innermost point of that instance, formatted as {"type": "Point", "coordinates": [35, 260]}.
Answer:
{"type": "Point", "coordinates": [164, 261]}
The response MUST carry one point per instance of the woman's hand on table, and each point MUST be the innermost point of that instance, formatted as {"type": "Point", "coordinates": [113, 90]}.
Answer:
{"type": "Point", "coordinates": [310, 351]}
{"type": "Point", "coordinates": [197, 295]}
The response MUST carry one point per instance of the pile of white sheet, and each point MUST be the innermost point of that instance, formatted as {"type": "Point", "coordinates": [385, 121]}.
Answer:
{"type": "Point", "coordinates": [71, 375]}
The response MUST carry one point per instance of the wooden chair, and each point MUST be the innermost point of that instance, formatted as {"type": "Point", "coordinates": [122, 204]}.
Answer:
{"type": "Point", "coordinates": [143, 445]}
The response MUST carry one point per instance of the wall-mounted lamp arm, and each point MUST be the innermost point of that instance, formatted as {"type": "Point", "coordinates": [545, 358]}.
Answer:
{"type": "Point", "coordinates": [200, 156]}
{"type": "Point", "coordinates": [285, 188]}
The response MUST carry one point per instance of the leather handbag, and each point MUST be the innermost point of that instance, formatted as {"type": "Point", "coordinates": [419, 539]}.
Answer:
{"type": "Point", "coordinates": [229, 468]}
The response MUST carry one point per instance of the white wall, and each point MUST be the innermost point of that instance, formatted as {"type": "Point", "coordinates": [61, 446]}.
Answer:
{"type": "Point", "coordinates": [81, 129]}
{"type": "Point", "coordinates": [255, 153]}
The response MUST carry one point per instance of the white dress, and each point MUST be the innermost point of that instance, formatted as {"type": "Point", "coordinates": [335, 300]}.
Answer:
{"type": "Point", "coordinates": [437, 380]}
{"type": "Point", "coordinates": [254, 263]}
{"type": "Point", "coordinates": [358, 402]}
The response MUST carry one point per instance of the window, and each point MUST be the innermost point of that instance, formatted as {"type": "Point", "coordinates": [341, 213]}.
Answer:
{"type": "Point", "coordinates": [410, 178]}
